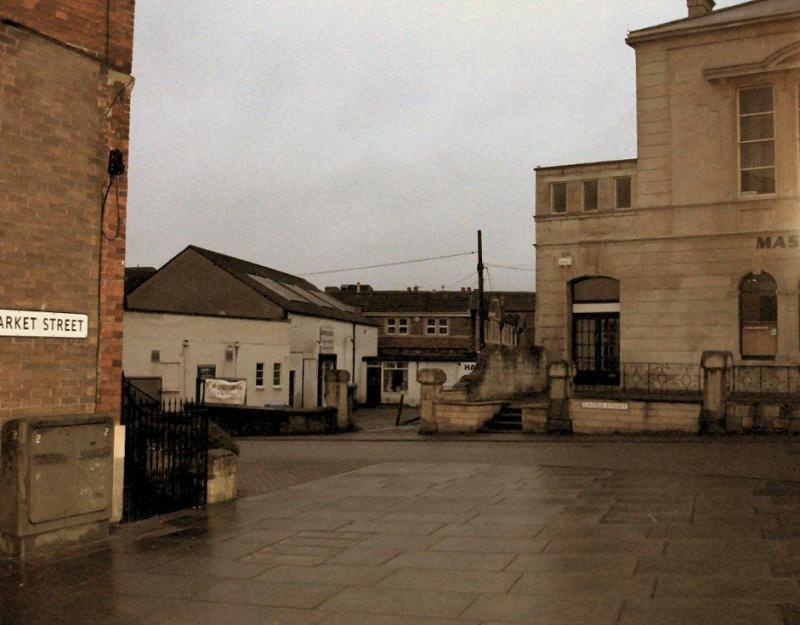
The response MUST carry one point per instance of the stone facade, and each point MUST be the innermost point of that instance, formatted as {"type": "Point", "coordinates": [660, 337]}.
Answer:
{"type": "Point", "coordinates": [693, 231]}
{"type": "Point", "coordinates": [66, 85]}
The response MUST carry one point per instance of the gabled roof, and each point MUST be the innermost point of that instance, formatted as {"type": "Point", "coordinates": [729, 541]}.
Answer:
{"type": "Point", "coordinates": [513, 301]}
{"type": "Point", "coordinates": [288, 292]}
{"type": "Point", "coordinates": [134, 276]}
{"type": "Point", "coordinates": [730, 17]}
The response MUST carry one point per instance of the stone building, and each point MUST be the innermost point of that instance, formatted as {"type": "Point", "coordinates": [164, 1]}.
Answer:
{"type": "Point", "coordinates": [694, 244]}
{"type": "Point", "coordinates": [65, 80]}
{"type": "Point", "coordinates": [205, 314]}
{"type": "Point", "coordinates": [433, 330]}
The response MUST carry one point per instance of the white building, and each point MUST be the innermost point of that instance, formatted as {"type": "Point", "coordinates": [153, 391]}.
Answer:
{"type": "Point", "coordinates": [204, 314]}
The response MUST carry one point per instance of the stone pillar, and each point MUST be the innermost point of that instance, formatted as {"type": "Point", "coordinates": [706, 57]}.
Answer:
{"type": "Point", "coordinates": [336, 396]}
{"type": "Point", "coordinates": [431, 382]}
{"type": "Point", "coordinates": [560, 376]}
{"type": "Point", "coordinates": [714, 366]}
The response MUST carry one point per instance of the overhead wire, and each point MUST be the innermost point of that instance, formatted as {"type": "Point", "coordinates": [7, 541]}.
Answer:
{"type": "Point", "coordinates": [512, 267]}
{"type": "Point", "coordinates": [392, 264]}
{"type": "Point", "coordinates": [460, 280]}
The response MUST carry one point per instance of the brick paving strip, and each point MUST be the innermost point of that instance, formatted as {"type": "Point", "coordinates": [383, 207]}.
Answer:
{"type": "Point", "coordinates": [435, 541]}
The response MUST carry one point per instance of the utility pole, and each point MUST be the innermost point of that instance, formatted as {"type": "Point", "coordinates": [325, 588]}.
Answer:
{"type": "Point", "coordinates": [481, 311]}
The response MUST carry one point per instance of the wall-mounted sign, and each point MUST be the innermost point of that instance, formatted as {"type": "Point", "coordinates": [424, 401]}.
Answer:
{"type": "Point", "coordinates": [604, 405]}
{"type": "Point", "coordinates": [45, 324]}
{"type": "Point", "coordinates": [778, 242]}
{"type": "Point", "coordinates": [326, 340]}
{"type": "Point", "coordinates": [465, 368]}
{"type": "Point", "coordinates": [565, 261]}
{"type": "Point", "coordinates": [228, 392]}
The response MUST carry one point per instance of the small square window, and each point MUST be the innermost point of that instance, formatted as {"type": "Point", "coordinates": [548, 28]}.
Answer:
{"type": "Point", "coordinates": [436, 325]}
{"type": "Point", "coordinates": [590, 195]}
{"type": "Point", "coordinates": [155, 356]}
{"type": "Point", "coordinates": [396, 325]}
{"type": "Point", "coordinates": [259, 374]}
{"type": "Point", "coordinates": [558, 197]}
{"type": "Point", "coordinates": [622, 192]}
{"type": "Point", "coordinates": [276, 374]}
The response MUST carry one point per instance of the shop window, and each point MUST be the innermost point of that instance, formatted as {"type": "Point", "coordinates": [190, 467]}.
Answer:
{"type": "Point", "coordinates": [590, 195]}
{"type": "Point", "coordinates": [756, 141]}
{"type": "Point", "coordinates": [397, 325]}
{"type": "Point", "coordinates": [758, 316]}
{"type": "Point", "coordinates": [558, 197]}
{"type": "Point", "coordinates": [436, 326]}
{"type": "Point", "coordinates": [276, 374]}
{"type": "Point", "coordinates": [622, 192]}
{"type": "Point", "coordinates": [395, 377]}
{"type": "Point", "coordinates": [259, 375]}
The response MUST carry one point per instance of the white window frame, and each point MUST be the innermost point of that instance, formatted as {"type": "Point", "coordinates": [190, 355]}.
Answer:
{"type": "Point", "coordinates": [739, 142]}
{"type": "Point", "coordinates": [629, 178]}
{"type": "Point", "coordinates": [277, 374]}
{"type": "Point", "coordinates": [596, 183]}
{"type": "Point", "coordinates": [437, 326]}
{"type": "Point", "coordinates": [553, 198]}
{"type": "Point", "coordinates": [397, 325]}
{"type": "Point", "coordinates": [260, 374]}
{"type": "Point", "coordinates": [393, 366]}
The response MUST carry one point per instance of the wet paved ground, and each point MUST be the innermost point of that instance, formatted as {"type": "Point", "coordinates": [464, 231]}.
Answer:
{"type": "Point", "coordinates": [622, 531]}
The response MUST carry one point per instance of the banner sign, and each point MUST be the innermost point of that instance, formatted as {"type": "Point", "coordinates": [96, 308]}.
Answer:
{"type": "Point", "coordinates": [326, 340]}
{"type": "Point", "coordinates": [45, 324]}
{"type": "Point", "coordinates": [465, 368]}
{"type": "Point", "coordinates": [228, 392]}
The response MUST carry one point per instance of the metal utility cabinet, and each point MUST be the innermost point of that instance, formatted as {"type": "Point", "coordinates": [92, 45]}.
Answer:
{"type": "Point", "coordinates": [55, 483]}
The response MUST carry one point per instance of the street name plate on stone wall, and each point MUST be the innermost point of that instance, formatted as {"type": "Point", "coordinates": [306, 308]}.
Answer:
{"type": "Point", "coordinates": [43, 324]}
{"type": "Point", "coordinates": [604, 405]}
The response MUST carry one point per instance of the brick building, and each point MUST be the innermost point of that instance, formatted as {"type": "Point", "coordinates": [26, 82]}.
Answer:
{"type": "Point", "coordinates": [433, 329]}
{"type": "Point", "coordinates": [65, 85]}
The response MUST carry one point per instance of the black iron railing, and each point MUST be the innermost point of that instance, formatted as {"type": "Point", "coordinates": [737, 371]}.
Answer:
{"type": "Point", "coordinates": [659, 377]}
{"type": "Point", "coordinates": [652, 379]}
{"type": "Point", "coordinates": [166, 455]}
{"type": "Point", "coordinates": [765, 380]}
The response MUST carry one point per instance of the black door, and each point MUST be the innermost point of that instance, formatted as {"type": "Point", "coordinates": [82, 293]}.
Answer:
{"type": "Point", "coordinates": [203, 372]}
{"type": "Point", "coordinates": [595, 348]}
{"type": "Point", "coordinates": [373, 386]}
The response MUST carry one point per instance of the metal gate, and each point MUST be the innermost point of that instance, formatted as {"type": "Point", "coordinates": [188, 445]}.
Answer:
{"type": "Point", "coordinates": [166, 455]}
{"type": "Point", "coordinates": [595, 348]}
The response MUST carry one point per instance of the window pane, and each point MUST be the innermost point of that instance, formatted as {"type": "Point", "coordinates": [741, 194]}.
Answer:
{"type": "Point", "coordinates": [758, 181]}
{"type": "Point", "coordinates": [590, 195]}
{"type": "Point", "coordinates": [558, 192]}
{"type": "Point", "coordinates": [756, 127]}
{"type": "Point", "coordinates": [758, 154]}
{"type": "Point", "coordinates": [758, 100]}
{"type": "Point", "coordinates": [623, 194]}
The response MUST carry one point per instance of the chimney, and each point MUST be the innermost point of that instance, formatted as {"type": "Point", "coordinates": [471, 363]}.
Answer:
{"type": "Point", "coordinates": [699, 8]}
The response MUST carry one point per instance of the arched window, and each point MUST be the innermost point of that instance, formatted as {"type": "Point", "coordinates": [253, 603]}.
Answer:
{"type": "Point", "coordinates": [595, 330]}
{"type": "Point", "coordinates": [758, 316]}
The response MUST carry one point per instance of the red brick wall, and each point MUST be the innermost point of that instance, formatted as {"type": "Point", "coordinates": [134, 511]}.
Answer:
{"type": "Point", "coordinates": [63, 108]}
{"type": "Point", "coordinates": [103, 28]}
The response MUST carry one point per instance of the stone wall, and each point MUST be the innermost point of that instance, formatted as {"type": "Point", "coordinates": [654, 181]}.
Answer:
{"type": "Point", "coordinates": [222, 476]}
{"type": "Point", "coordinates": [597, 416]}
{"type": "Point", "coordinates": [503, 372]}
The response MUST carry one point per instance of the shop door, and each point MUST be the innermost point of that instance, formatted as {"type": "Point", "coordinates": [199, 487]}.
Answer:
{"type": "Point", "coordinates": [595, 348]}
{"type": "Point", "coordinates": [373, 386]}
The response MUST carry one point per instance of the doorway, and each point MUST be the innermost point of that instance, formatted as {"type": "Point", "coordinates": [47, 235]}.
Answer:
{"type": "Point", "coordinates": [327, 362]}
{"type": "Point", "coordinates": [596, 331]}
{"type": "Point", "coordinates": [373, 386]}
{"type": "Point", "coordinates": [203, 372]}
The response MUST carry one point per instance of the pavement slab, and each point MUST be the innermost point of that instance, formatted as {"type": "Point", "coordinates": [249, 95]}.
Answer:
{"type": "Point", "coordinates": [485, 531]}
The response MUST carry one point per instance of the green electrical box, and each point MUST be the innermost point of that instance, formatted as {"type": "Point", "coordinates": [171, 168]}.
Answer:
{"type": "Point", "coordinates": [55, 483]}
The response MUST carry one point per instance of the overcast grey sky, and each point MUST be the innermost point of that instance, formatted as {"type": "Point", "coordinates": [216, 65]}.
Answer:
{"type": "Point", "coordinates": [324, 134]}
